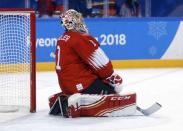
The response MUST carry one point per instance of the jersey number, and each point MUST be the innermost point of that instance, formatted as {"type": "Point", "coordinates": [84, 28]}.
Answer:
{"type": "Point", "coordinates": [58, 67]}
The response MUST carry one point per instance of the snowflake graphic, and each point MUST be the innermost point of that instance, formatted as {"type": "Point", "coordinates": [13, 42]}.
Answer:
{"type": "Point", "coordinates": [157, 29]}
{"type": "Point", "coordinates": [152, 50]}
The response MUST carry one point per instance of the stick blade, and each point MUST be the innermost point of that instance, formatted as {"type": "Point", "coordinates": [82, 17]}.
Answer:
{"type": "Point", "coordinates": [152, 109]}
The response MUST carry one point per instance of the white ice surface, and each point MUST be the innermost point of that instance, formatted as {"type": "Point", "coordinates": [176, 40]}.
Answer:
{"type": "Point", "coordinates": [162, 85]}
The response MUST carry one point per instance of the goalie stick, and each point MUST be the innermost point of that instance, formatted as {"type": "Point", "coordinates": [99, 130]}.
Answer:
{"type": "Point", "coordinates": [152, 109]}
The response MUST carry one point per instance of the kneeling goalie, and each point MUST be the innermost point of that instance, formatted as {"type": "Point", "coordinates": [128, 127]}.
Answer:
{"type": "Point", "coordinates": [89, 85]}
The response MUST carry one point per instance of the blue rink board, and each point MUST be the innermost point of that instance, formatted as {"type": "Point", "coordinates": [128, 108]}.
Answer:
{"type": "Point", "coordinates": [120, 38]}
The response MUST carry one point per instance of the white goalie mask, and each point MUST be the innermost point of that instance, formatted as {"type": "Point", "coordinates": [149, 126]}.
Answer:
{"type": "Point", "coordinates": [73, 20]}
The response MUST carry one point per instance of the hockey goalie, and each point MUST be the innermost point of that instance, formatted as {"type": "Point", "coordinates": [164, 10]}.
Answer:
{"type": "Point", "coordinates": [89, 85]}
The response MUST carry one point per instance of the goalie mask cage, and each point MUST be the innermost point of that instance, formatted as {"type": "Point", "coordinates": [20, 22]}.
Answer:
{"type": "Point", "coordinates": [17, 60]}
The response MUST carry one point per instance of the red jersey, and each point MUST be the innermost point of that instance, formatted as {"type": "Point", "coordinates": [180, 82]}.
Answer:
{"type": "Point", "coordinates": [79, 61]}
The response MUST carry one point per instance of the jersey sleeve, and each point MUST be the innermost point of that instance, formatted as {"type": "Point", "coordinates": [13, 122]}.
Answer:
{"type": "Point", "coordinates": [89, 50]}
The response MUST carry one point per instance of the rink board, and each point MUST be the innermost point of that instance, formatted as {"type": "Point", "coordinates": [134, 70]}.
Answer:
{"type": "Point", "coordinates": [14, 68]}
{"type": "Point", "coordinates": [128, 42]}
{"type": "Point", "coordinates": [117, 64]}
{"type": "Point", "coordinates": [50, 66]}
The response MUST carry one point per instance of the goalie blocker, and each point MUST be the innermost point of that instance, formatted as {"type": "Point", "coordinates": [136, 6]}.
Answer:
{"type": "Point", "coordinates": [85, 105]}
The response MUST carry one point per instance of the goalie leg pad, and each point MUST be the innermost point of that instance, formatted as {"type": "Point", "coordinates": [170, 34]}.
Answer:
{"type": "Point", "coordinates": [83, 105]}
{"type": "Point", "coordinates": [60, 105]}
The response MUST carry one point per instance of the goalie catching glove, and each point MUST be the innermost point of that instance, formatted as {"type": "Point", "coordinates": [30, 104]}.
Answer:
{"type": "Point", "coordinates": [115, 81]}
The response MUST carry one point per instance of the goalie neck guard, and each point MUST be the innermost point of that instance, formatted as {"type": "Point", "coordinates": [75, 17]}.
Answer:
{"type": "Point", "coordinates": [73, 20]}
